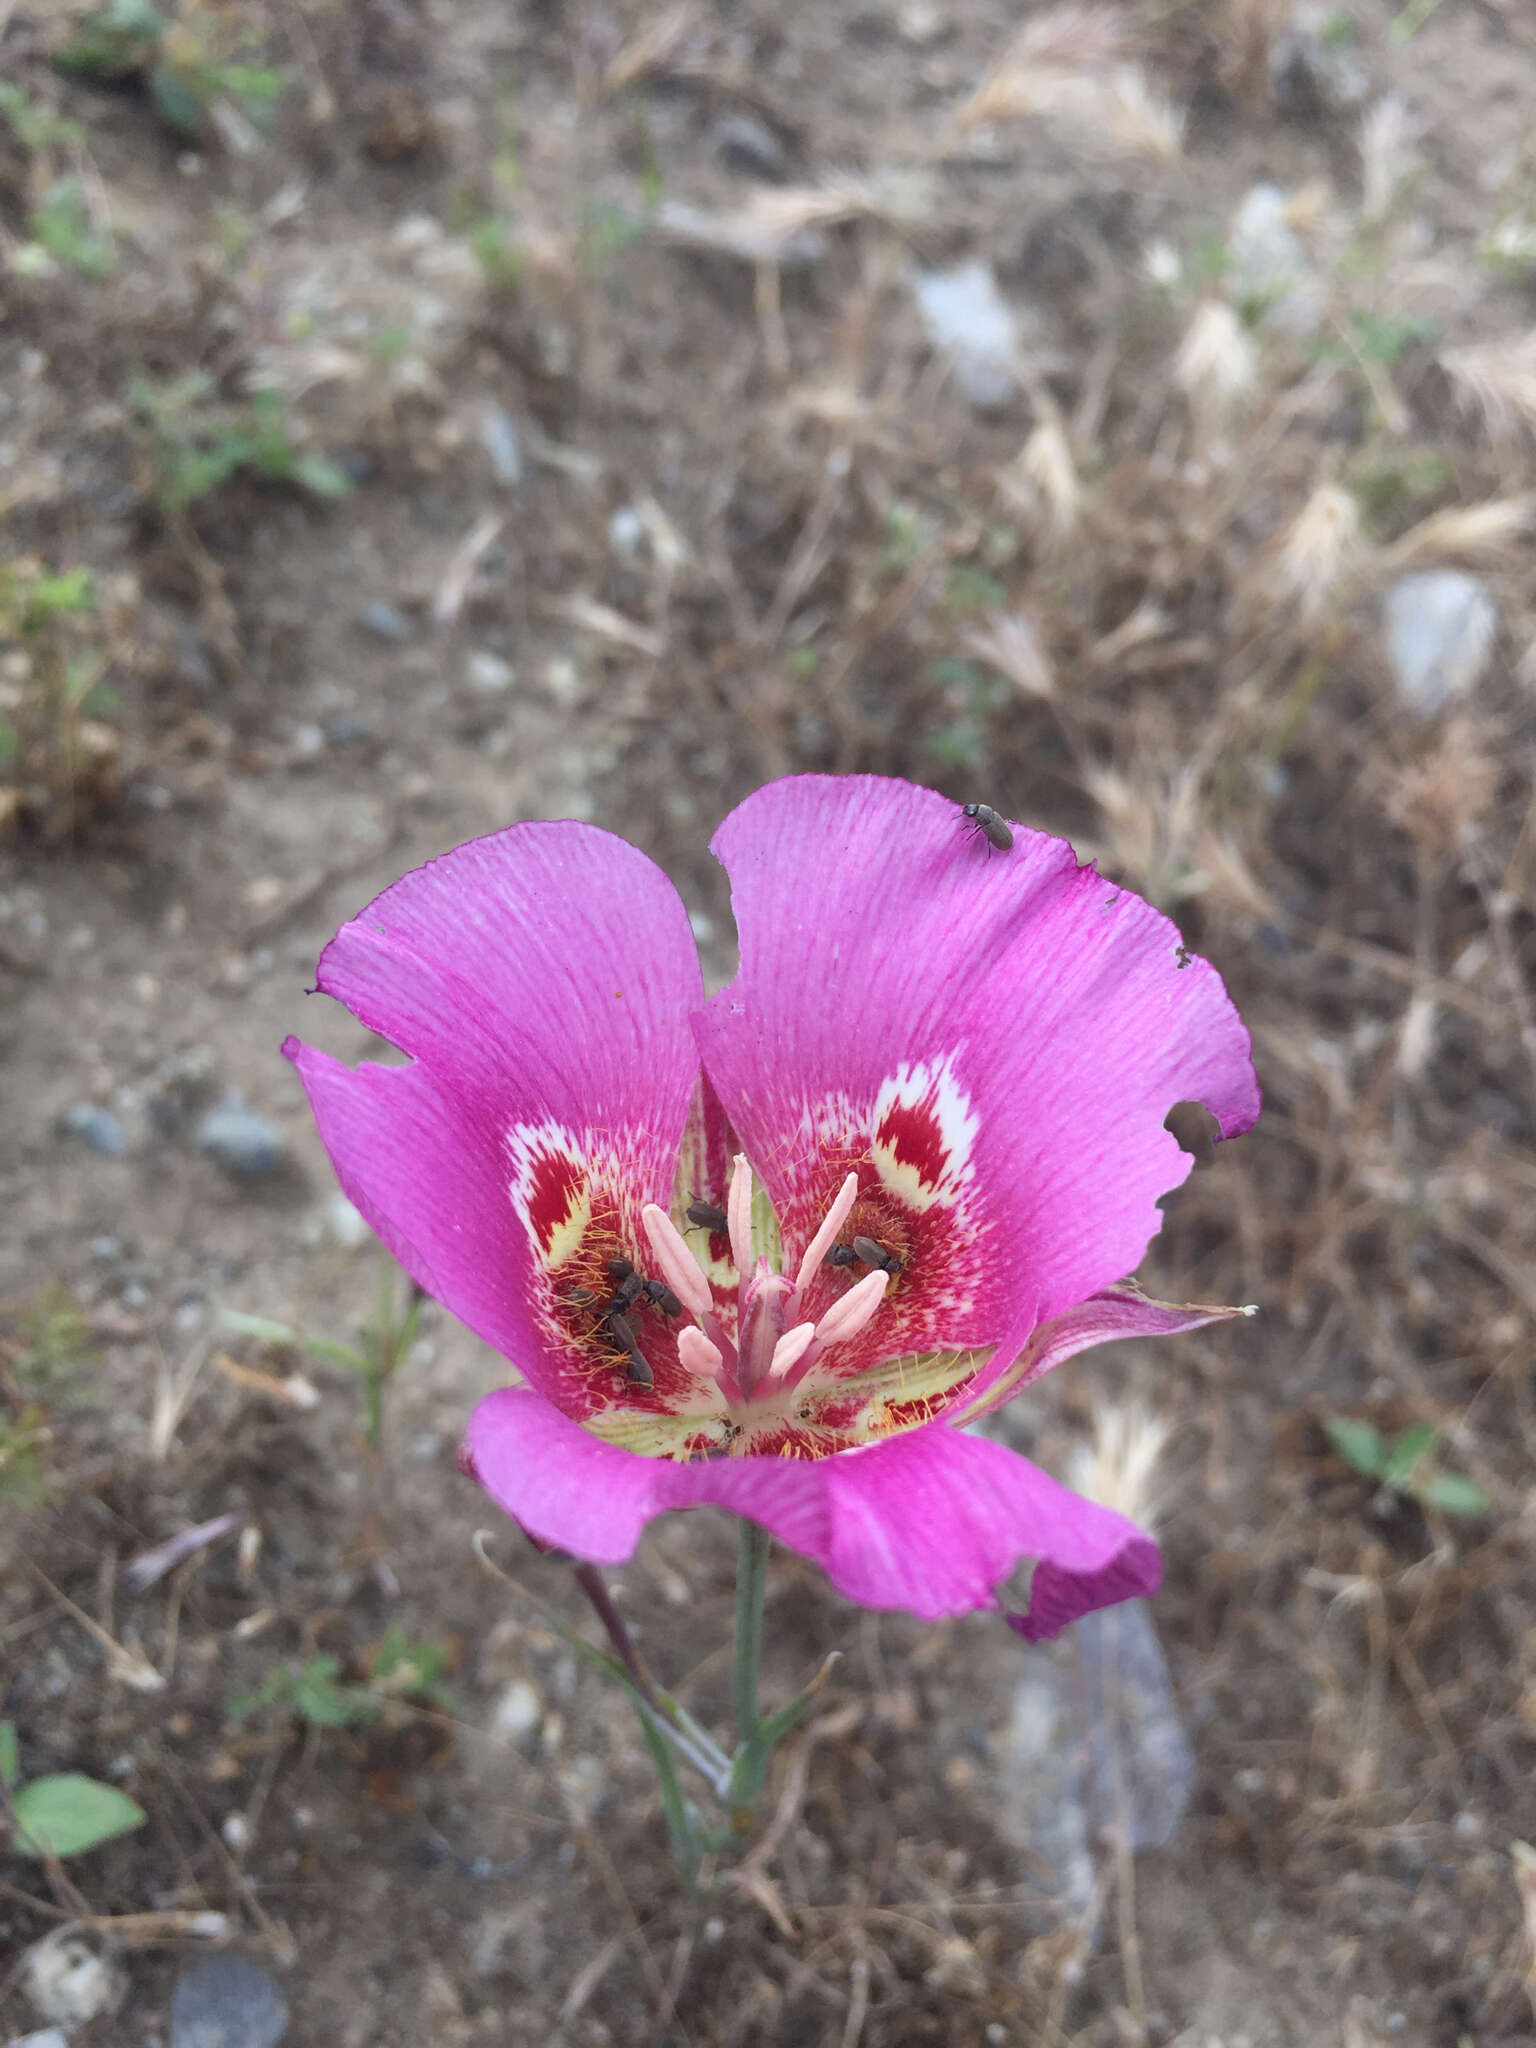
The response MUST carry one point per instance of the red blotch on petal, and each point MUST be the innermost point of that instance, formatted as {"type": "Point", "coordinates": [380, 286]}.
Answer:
{"type": "Point", "coordinates": [911, 1132]}
{"type": "Point", "coordinates": [555, 1188]}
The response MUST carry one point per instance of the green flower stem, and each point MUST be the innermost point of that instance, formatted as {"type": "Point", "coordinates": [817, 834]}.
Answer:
{"type": "Point", "coordinates": [681, 1831]}
{"type": "Point", "coordinates": [661, 1714]}
{"type": "Point", "coordinates": [751, 1586]}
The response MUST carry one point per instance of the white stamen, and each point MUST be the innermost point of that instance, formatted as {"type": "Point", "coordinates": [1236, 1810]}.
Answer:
{"type": "Point", "coordinates": [847, 1317]}
{"type": "Point", "coordinates": [680, 1269]}
{"type": "Point", "coordinates": [738, 1210]}
{"type": "Point", "coordinates": [790, 1349]}
{"type": "Point", "coordinates": [826, 1237]}
{"type": "Point", "coordinates": [696, 1354]}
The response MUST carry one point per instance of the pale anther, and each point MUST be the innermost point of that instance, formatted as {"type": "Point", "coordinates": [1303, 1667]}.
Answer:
{"type": "Point", "coordinates": [696, 1354]}
{"type": "Point", "coordinates": [738, 1210]}
{"type": "Point", "coordinates": [826, 1237]}
{"type": "Point", "coordinates": [790, 1349]}
{"type": "Point", "coordinates": [847, 1317]}
{"type": "Point", "coordinates": [680, 1269]}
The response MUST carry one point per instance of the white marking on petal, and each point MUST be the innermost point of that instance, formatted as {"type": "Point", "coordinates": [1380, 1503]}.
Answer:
{"type": "Point", "coordinates": [928, 1088]}
{"type": "Point", "coordinates": [555, 1217]}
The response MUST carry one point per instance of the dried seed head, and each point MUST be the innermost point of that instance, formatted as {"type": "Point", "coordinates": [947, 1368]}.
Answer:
{"type": "Point", "coordinates": [1217, 366]}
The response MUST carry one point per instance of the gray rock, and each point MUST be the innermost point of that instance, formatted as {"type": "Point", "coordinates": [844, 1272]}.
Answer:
{"type": "Point", "coordinates": [227, 2001]}
{"type": "Point", "coordinates": [384, 622]}
{"type": "Point", "coordinates": [968, 319]}
{"type": "Point", "coordinates": [750, 147]}
{"type": "Point", "coordinates": [98, 1128]}
{"type": "Point", "coordinates": [499, 439]}
{"type": "Point", "coordinates": [1440, 631]}
{"type": "Point", "coordinates": [50, 2037]}
{"type": "Point", "coordinates": [241, 1142]}
{"type": "Point", "coordinates": [1095, 1746]}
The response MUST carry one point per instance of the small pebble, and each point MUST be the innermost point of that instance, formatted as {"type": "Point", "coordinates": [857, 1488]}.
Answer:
{"type": "Point", "coordinates": [227, 2001]}
{"type": "Point", "coordinates": [488, 673]}
{"type": "Point", "coordinates": [97, 1128]}
{"type": "Point", "coordinates": [308, 740]}
{"type": "Point", "coordinates": [385, 622]}
{"type": "Point", "coordinates": [240, 1141]}
{"type": "Point", "coordinates": [105, 1248]}
{"type": "Point", "coordinates": [498, 437]}
{"type": "Point", "coordinates": [517, 1713]}
{"type": "Point", "coordinates": [50, 2037]}
{"type": "Point", "coordinates": [348, 730]}
{"type": "Point", "coordinates": [749, 147]}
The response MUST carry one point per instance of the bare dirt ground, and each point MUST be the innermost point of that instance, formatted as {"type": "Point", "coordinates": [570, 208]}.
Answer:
{"type": "Point", "coordinates": [605, 468]}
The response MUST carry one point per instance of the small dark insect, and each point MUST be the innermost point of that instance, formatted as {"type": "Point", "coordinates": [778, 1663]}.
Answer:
{"type": "Point", "coordinates": [707, 1216]}
{"type": "Point", "coordinates": [840, 1255]}
{"type": "Point", "coordinates": [659, 1292]}
{"type": "Point", "coordinates": [987, 822]}
{"type": "Point", "coordinates": [628, 1292]}
{"type": "Point", "coordinates": [622, 1331]}
{"type": "Point", "coordinates": [617, 1269]}
{"type": "Point", "coordinates": [876, 1255]}
{"type": "Point", "coordinates": [1183, 955]}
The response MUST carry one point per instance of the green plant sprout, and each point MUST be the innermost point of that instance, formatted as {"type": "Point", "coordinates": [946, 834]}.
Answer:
{"type": "Point", "coordinates": [36, 128]}
{"type": "Point", "coordinates": [401, 1674]}
{"type": "Point", "coordinates": [1407, 1465]}
{"type": "Point", "coordinates": [62, 1814]}
{"type": "Point", "coordinates": [53, 745]}
{"type": "Point", "coordinates": [185, 65]}
{"type": "Point", "coordinates": [384, 1345]}
{"type": "Point", "coordinates": [198, 442]}
{"type": "Point", "coordinates": [64, 232]}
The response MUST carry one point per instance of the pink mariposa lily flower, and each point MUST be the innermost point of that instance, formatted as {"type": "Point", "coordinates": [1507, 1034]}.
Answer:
{"type": "Point", "coordinates": [768, 1252]}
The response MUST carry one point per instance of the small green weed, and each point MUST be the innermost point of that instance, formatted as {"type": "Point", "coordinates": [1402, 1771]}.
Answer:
{"type": "Point", "coordinates": [37, 129]}
{"type": "Point", "coordinates": [400, 1674]}
{"type": "Point", "coordinates": [1407, 1465]}
{"type": "Point", "coordinates": [56, 754]}
{"type": "Point", "coordinates": [384, 1345]}
{"type": "Point", "coordinates": [185, 65]}
{"type": "Point", "coordinates": [198, 442]}
{"type": "Point", "coordinates": [63, 231]}
{"type": "Point", "coordinates": [62, 1814]}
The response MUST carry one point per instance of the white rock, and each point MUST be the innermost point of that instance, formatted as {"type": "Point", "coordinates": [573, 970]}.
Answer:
{"type": "Point", "coordinates": [968, 319]}
{"type": "Point", "coordinates": [488, 673]}
{"type": "Point", "coordinates": [1440, 632]}
{"type": "Point", "coordinates": [1267, 265]}
{"type": "Point", "coordinates": [70, 1981]}
{"type": "Point", "coordinates": [517, 1713]}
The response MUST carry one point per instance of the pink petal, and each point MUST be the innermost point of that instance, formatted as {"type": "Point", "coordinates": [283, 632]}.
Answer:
{"type": "Point", "coordinates": [430, 1178]}
{"type": "Point", "coordinates": [542, 980]}
{"type": "Point", "coordinates": [1040, 1013]}
{"type": "Point", "coordinates": [1118, 1312]}
{"type": "Point", "coordinates": [932, 1521]}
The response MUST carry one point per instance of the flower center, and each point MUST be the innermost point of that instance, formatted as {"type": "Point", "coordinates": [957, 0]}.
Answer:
{"type": "Point", "coordinates": [774, 1346]}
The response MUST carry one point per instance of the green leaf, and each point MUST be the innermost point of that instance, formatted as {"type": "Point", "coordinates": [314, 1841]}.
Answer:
{"type": "Point", "coordinates": [1407, 1453]}
{"type": "Point", "coordinates": [1357, 1443]}
{"type": "Point", "coordinates": [177, 100]}
{"type": "Point", "coordinates": [10, 1754]}
{"type": "Point", "coordinates": [326, 479]}
{"type": "Point", "coordinates": [258, 1326]}
{"type": "Point", "coordinates": [1453, 1495]}
{"type": "Point", "coordinates": [66, 1814]}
